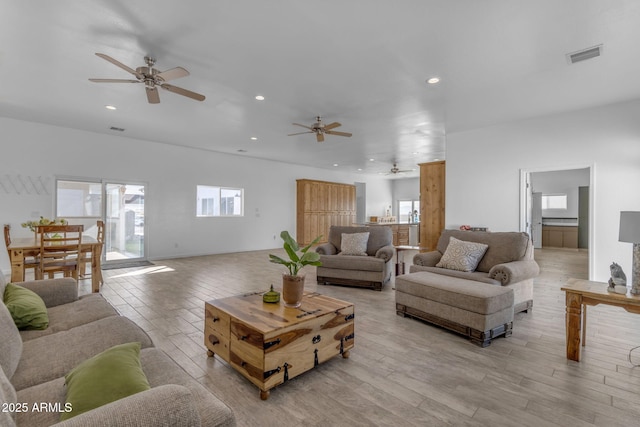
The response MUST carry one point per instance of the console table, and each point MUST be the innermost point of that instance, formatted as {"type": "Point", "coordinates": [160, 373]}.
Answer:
{"type": "Point", "coordinates": [579, 294]}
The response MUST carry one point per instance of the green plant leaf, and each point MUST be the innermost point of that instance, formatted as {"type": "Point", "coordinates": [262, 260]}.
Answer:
{"type": "Point", "coordinates": [288, 240]}
{"type": "Point", "coordinates": [310, 257]}
{"type": "Point", "coordinates": [306, 248]}
{"type": "Point", "coordinates": [277, 260]}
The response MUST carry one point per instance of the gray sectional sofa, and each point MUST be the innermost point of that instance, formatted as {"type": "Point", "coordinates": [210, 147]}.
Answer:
{"type": "Point", "coordinates": [34, 364]}
{"type": "Point", "coordinates": [479, 303]}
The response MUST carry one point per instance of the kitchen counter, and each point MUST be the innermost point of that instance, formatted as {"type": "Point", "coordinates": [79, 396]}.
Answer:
{"type": "Point", "coordinates": [404, 233]}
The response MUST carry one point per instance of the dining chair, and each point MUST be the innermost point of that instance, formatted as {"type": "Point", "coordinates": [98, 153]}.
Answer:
{"type": "Point", "coordinates": [59, 250]}
{"type": "Point", "coordinates": [29, 262]}
{"type": "Point", "coordinates": [86, 253]}
{"type": "Point", "coordinates": [100, 238]}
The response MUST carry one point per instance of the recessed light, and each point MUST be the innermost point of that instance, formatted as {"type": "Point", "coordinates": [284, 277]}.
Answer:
{"type": "Point", "coordinates": [433, 80]}
{"type": "Point", "coordinates": [359, 169]}
{"type": "Point", "coordinates": [260, 97]}
{"type": "Point", "coordinates": [371, 160]}
{"type": "Point", "coordinates": [253, 138]}
{"type": "Point", "coordinates": [335, 165]}
{"type": "Point", "coordinates": [110, 107]}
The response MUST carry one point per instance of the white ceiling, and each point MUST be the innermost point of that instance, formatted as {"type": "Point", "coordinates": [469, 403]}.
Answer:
{"type": "Point", "coordinates": [360, 62]}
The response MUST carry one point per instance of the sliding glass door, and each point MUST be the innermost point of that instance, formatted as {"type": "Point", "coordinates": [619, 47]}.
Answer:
{"type": "Point", "coordinates": [124, 222]}
{"type": "Point", "coordinates": [120, 205]}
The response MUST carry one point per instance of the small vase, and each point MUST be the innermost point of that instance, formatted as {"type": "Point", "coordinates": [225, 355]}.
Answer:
{"type": "Point", "coordinates": [292, 290]}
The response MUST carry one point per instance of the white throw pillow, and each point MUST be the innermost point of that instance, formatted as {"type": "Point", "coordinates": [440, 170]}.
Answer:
{"type": "Point", "coordinates": [354, 243]}
{"type": "Point", "coordinates": [461, 255]}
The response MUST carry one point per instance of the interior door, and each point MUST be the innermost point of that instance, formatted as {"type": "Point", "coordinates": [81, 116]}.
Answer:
{"type": "Point", "coordinates": [124, 222]}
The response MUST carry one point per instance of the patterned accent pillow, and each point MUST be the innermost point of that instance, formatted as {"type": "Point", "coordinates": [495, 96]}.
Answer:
{"type": "Point", "coordinates": [461, 255]}
{"type": "Point", "coordinates": [354, 243]}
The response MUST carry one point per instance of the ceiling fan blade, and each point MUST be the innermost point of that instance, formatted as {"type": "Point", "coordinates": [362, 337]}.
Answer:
{"type": "Point", "coordinates": [174, 73]}
{"type": "Point", "coordinates": [300, 133]}
{"type": "Point", "coordinates": [304, 126]}
{"type": "Point", "coordinates": [319, 137]}
{"type": "Point", "coordinates": [120, 64]}
{"type": "Point", "coordinates": [152, 95]}
{"type": "Point", "coordinates": [114, 81]}
{"type": "Point", "coordinates": [183, 92]}
{"type": "Point", "coordinates": [332, 125]}
{"type": "Point", "coordinates": [334, 132]}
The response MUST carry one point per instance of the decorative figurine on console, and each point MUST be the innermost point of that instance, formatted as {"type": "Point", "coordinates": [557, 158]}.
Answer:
{"type": "Point", "coordinates": [618, 280]}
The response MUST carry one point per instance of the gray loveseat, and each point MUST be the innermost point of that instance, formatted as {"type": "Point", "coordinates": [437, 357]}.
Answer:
{"type": "Point", "coordinates": [479, 303]}
{"type": "Point", "coordinates": [372, 270]}
{"type": "Point", "coordinates": [33, 365]}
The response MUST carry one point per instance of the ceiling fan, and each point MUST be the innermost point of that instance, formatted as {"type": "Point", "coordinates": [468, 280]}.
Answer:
{"type": "Point", "coordinates": [152, 79]}
{"type": "Point", "coordinates": [395, 170]}
{"type": "Point", "coordinates": [320, 129]}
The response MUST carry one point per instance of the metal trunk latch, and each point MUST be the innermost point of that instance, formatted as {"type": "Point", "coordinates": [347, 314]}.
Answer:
{"type": "Point", "coordinates": [269, 344]}
{"type": "Point", "coordinates": [267, 374]}
{"type": "Point", "coordinates": [342, 340]}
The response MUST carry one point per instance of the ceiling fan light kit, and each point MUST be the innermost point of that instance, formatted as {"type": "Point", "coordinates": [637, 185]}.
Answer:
{"type": "Point", "coordinates": [320, 129]}
{"type": "Point", "coordinates": [152, 79]}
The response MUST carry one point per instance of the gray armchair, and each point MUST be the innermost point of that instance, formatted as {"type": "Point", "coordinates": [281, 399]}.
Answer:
{"type": "Point", "coordinates": [508, 262]}
{"type": "Point", "coordinates": [372, 270]}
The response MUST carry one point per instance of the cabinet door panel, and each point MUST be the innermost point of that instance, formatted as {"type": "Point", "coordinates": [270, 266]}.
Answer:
{"type": "Point", "coordinates": [321, 205]}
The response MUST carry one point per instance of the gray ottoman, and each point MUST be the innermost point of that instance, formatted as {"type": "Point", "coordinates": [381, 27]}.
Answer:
{"type": "Point", "coordinates": [480, 311]}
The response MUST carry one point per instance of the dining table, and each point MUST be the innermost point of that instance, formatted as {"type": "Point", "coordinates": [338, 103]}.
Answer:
{"type": "Point", "coordinates": [22, 247]}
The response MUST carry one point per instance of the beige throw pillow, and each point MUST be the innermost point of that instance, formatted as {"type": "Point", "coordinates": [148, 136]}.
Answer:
{"type": "Point", "coordinates": [461, 255]}
{"type": "Point", "coordinates": [354, 243]}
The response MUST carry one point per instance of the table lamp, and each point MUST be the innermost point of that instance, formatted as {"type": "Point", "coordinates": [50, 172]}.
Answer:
{"type": "Point", "coordinates": [630, 232]}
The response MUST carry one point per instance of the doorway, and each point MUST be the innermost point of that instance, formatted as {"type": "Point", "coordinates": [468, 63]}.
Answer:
{"type": "Point", "coordinates": [124, 222]}
{"type": "Point", "coordinates": [550, 184]}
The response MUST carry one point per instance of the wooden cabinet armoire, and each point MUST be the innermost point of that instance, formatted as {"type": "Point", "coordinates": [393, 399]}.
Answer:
{"type": "Point", "coordinates": [432, 203]}
{"type": "Point", "coordinates": [321, 204]}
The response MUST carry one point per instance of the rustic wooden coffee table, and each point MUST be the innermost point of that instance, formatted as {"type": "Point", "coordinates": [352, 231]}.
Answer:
{"type": "Point", "coordinates": [270, 343]}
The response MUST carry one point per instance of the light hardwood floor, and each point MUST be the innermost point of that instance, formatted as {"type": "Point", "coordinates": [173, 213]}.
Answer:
{"type": "Point", "coordinates": [401, 371]}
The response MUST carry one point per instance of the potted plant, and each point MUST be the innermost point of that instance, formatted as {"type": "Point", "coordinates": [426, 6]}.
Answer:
{"type": "Point", "coordinates": [292, 283]}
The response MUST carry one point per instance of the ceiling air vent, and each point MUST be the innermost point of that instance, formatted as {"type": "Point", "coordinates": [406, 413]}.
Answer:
{"type": "Point", "coordinates": [117, 129]}
{"type": "Point", "coordinates": [584, 54]}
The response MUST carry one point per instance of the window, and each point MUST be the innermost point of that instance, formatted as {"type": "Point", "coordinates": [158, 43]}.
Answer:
{"type": "Point", "coordinates": [409, 211]}
{"type": "Point", "coordinates": [219, 201]}
{"type": "Point", "coordinates": [554, 201]}
{"type": "Point", "coordinates": [78, 199]}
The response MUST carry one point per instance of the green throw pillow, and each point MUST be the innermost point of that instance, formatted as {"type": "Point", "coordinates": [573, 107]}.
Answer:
{"type": "Point", "coordinates": [26, 307]}
{"type": "Point", "coordinates": [109, 376]}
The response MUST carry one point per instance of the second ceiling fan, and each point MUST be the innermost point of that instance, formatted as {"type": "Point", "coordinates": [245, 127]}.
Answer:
{"type": "Point", "coordinates": [396, 170]}
{"type": "Point", "coordinates": [320, 129]}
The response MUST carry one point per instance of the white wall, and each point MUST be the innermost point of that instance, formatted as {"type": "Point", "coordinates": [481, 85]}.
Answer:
{"type": "Point", "coordinates": [41, 152]}
{"type": "Point", "coordinates": [483, 171]}
{"type": "Point", "coordinates": [405, 189]}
